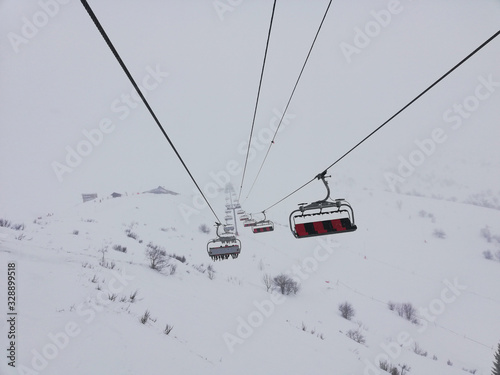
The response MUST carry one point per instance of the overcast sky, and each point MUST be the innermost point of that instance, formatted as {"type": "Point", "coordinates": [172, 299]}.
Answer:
{"type": "Point", "coordinates": [70, 124]}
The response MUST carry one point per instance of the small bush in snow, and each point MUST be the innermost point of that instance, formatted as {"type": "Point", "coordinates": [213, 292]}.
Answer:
{"type": "Point", "coordinates": [168, 329]}
{"type": "Point", "coordinates": [157, 257]}
{"type": "Point", "coordinates": [145, 317]}
{"type": "Point", "coordinates": [133, 296]}
{"type": "Point", "coordinates": [181, 259]}
{"type": "Point", "coordinates": [449, 363]}
{"type": "Point", "coordinates": [471, 371]}
{"type": "Point", "coordinates": [131, 234]}
{"type": "Point", "coordinates": [405, 310]}
{"type": "Point", "coordinates": [346, 310]}
{"type": "Point", "coordinates": [268, 281]}
{"type": "Point", "coordinates": [112, 297]}
{"type": "Point", "coordinates": [204, 228]}
{"type": "Point", "coordinates": [172, 268]}
{"type": "Point", "coordinates": [75, 232]}
{"type": "Point", "coordinates": [418, 350]}
{"type": "Point", "coordinates": [393, 370]}
{"type": "Point", "coordinates": [286, 284]}
{"type": "Point", "coordinates": [120, 248]}
{"type": "Point", "coordinates": [211, 272]}
{"type": "Point", "coordinates": [20, 237]}
{"type": "Point", "coordinates": [488, 255]}
{"type": "Point", "coordinates": [426, 214]}
{"type": "Point", "coordinates": [439, 233]}
{"type": "Point", "coordinates": [5, 223]}
{"type": "Point", "coordinates": [356, 335]}
{"type": "Point", "coordinates": [17, 226]}
{"type": "Point", "coordinates": [486, 234]}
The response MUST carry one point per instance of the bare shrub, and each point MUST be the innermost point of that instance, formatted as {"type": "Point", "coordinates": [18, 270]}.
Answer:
{"type": "Point", "coordinates": [75, 232]}
{"type": "Point", "coordinates": [112, 297]}
{"type": "Point", "coordinates": [486, 234]}
{"type": "Point", "coordinates": [418, 350]}
{"type": "Point", "coordinates": [286, 284]}
{"type": "Point", "coordinates": [268, 281]}
{"type": "Point", "coordinates": [181, 259]}
{"type": "Point", "coordinates": [356, 335]}
{"type": "Point", "coordinates": [439, 233]}
{"type": "Point", "coordinates": [211, 272]}
{"type": "Point", "coordinates": [393, 370]}
{"type": "Point", "coordinates": [346, 310]}
{"type": "Point", "coordinates": [261, 265]}
{"type": "Point", "coordinates": [172, 268]}
{"type": "Point", "coordinates": [168, 329]}
{"type": "Point", "coordinates": [131, 234]}
{"type": "Point", "coordinates": [5, 223]}
{"type": "Point", "coordinates": [145, 317]}
{"type": "Point", "coordinates": [120, 248]}
{"type": "Point", "coordinates": [449, 363]}
{"type": "Point", "coordinates": [157, 257]}
{"type": "Point", "coordinates": [487, 254]}
{"type": "Point", "coordinates": [471, 371]}
{"type": "Point", "coordinates": [204, 228]}
{"type": "Point", "coordinates": [133, 296]}
{"type": "Point", "coordinates": [405, 310]}
{"type": "Point", "coordinates": [17, 226]}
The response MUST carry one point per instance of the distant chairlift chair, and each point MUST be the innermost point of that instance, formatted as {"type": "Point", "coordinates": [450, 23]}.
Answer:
{"type": "Point", "coordinates": [263, 225]}
{"type": "Point", "coordinates": [223, 246]}
{"type": "Point", "coordinates": [333, 216]}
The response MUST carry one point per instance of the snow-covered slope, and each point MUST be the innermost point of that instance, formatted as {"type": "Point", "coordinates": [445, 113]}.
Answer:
{"type": "Point", "coordinates": [424, 188]}
{"type": "Point", "coordinates": [224, 321]}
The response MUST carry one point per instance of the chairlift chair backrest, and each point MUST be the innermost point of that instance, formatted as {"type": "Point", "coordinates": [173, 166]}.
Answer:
{"type": "Point", "coordinates": [322, 217]}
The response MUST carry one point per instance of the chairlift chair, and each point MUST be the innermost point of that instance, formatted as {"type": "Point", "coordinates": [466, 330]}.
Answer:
{"type": "Point", "coordinates": [332, 216]}
{"type": "Point", "coordinates": [263, 225]}
{"type": "Point", "coordinates": [223, 246]}
{"type": "Point", "coordinates": [249, 223]}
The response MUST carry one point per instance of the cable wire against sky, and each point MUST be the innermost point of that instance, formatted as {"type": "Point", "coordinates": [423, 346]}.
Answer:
{"type": "Point", "coordinates": [290, 99]}
{"type": "Point", "coordinates": [393, 116]}
{"type": "Point", "coordinates": [257, 100]}
{"type": "Point", "coordinates": [124, 67]}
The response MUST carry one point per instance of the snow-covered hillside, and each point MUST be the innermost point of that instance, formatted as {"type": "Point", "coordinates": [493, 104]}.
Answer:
{"type": "Point", "coordinates": [425, 188]}
{"type": "Point", "coordinates": [407, 249]}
